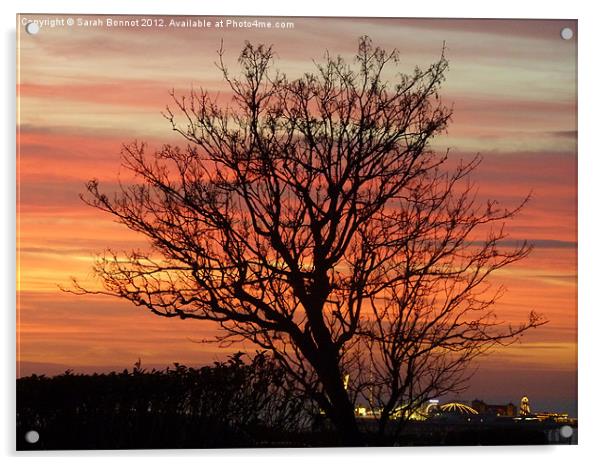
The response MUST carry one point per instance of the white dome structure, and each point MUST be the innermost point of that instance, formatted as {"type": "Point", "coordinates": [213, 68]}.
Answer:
{"type": "Point", "coordinates": [458, 408]}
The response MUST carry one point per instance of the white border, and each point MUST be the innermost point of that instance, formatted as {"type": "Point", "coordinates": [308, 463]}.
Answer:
{"type": "Point", "coordinates": [590, 209]}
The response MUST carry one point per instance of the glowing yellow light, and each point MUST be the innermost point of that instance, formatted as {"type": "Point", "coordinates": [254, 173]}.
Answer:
{"type": "Point", "coordinates": [457, 407]}
{"type": "Point", "coordinates": [525, 409]}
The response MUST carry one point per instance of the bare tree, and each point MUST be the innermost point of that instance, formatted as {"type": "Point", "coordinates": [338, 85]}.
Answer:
{"type": "Point", "coordinates": [311, 217]}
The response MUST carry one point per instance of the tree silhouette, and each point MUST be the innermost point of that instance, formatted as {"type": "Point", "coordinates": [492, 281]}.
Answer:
{"type": "Point", "coordinates": [311, 217]}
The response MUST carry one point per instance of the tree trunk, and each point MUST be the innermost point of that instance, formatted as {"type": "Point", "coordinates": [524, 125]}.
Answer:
{"type": "Point", "coordinates": [325, 360]}
{"type": "Point", "coordinates": [342, 412]}
{"type": "Point", "coordinates": [346, 423]}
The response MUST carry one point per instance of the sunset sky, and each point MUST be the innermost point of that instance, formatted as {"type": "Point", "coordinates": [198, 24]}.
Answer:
{"type": "Point", "coordinates": [83, 92]}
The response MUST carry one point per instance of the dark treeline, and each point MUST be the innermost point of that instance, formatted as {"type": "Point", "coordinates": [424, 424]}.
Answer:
{"type": "Point", "coordinates": [243, 402]}
{"type": "Point", "coordinates": [229, 404]}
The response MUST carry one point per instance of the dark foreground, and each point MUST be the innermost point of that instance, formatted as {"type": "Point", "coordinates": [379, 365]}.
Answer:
{"type": "Point", "coordinates": [228, 405]}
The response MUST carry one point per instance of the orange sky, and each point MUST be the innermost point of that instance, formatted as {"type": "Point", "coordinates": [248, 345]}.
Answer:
{"type": "Point", "coordinates": [85, 91]}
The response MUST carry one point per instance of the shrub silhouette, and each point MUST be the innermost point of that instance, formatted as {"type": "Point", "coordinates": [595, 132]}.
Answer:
{"type": "Point", "coordinates": [228, 404]}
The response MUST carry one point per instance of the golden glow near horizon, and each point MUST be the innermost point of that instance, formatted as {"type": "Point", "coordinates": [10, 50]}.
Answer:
{"type": "Point", "coordinates": [84, 92]}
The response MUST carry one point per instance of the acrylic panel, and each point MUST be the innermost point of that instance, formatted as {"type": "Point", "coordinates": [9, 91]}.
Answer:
{"type": "Point", "coordinates": [295, 232]}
